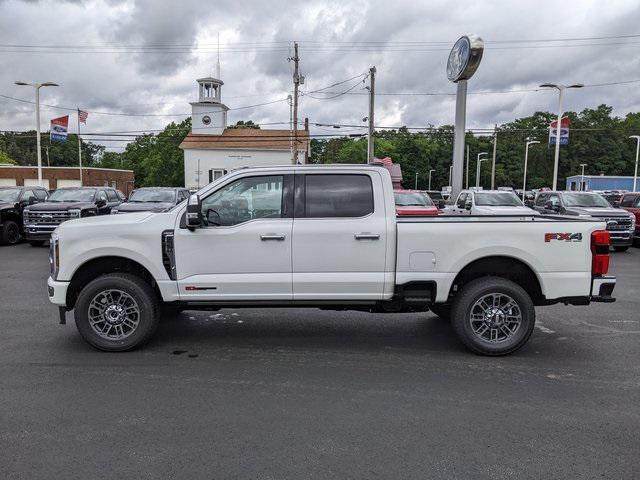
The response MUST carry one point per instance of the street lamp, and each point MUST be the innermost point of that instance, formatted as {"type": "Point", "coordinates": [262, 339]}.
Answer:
{"type": "Point", "coordinates": [526, 158]}
{"type": "Point", "coordinates": [37, 87]}
{"type": "Point", "coordinates": [416, 185]}
{"type": "Point", "coordinates": [582, 176]}
{"type": "Point", "coordinates": [430, 172]}
{"type": "Point", "coordinates": [480, 160]}
{"type": "Point", "coordinates": [561, 89]}
{"type": "Point", "coordinates": [450, 174]}
{"type": "Point", "coordinates": [635, 172]}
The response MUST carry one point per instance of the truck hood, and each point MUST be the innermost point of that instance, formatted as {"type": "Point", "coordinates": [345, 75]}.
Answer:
{"type": "Point", "coordinates": [144, 207]}
{"type": "Point", "coordinates": [489, 210]}
{"type": "Point", "coordinates": [60, 206]}
{"type": "Point", "coordinates": [101, 222]}
{"type": "Point", "coordinates": [7, 206]}
{"type": "Point", "coordinates": [599, 211]}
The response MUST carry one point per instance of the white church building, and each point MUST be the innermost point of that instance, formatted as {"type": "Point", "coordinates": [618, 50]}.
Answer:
{"type": "Point", "coordinates": [212, 149]}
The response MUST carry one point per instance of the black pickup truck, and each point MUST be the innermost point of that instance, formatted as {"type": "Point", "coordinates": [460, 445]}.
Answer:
{"type": "Point", "coordinates": [66, 204]}
{"type": "Point", "coordinates": [153, 199]}
{"type": "Point", "coordinates": [13, 201]}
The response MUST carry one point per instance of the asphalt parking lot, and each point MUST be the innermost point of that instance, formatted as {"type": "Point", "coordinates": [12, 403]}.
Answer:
{"type": "Point", "coordinates": [315, 394]}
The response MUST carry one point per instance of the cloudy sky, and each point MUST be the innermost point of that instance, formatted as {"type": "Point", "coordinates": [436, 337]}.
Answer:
{"type": "Point", "coordinates": [141, 58]}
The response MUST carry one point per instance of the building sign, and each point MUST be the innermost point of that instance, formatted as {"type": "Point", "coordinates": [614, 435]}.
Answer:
{"type": "Point", "coordinates": [564, 131]}
{"type": "Point", "coordinates": [59, 127]}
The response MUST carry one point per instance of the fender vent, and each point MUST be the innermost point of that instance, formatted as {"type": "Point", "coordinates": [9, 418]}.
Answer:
{"type": "Point", "coordinates": [168, 254]}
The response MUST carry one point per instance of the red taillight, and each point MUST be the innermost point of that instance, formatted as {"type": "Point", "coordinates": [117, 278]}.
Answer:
{"type": "Point", "coordinates": [600, 242]}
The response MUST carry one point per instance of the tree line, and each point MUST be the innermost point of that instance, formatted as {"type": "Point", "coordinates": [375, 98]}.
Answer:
{"type": "Point", "coordinates": [596, 138]}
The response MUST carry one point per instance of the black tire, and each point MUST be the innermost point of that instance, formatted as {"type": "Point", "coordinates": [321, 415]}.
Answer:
{"type": "Point", "coordinates": [621, 249]}
{"type": "Point", "coordinates": [147, 306]}
{"type": "Point", "coordinates": [10, 233]}
{"type": "Point", "coordinates": [36, 243]}
{"type": "Point", "coordinates": [465, 302]}
{"type": "Point", "coordinates": [442, 310]}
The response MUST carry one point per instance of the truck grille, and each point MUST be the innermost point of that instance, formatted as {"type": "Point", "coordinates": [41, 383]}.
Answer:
{"type": "Point", "coordinates": [621, 223]}
{"type": "Point", "coordinates": [46, 218]}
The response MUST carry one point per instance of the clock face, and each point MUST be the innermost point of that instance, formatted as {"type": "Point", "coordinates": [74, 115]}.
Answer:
{"type": "Point", "coordinates": [458, 59]}
{"type": "Point", "coordinates": [206, 119]}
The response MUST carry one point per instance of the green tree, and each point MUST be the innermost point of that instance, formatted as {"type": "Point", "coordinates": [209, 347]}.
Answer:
{"type": "Point", "coordinates": [6, 159]}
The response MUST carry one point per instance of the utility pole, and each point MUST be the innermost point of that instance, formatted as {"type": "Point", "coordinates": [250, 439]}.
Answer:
{"type": "Point", "coordinates": [296, 84]}
{"type": "Point", "coordinates": [46, 149]}
{"type": "Point", "coordinates": [372, 95]}
{"type": "Point", "coordinates": [79, 146]}
{"type": "Point", "coordinates": [290, 101]}
{"type": "Point", "coordinates": [493, 164]}
{"type": "Point", "coordinates": [467, 179]}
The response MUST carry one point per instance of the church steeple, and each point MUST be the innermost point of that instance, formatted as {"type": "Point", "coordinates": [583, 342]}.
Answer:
{"type": "Point", "coordinates": [209, 114]}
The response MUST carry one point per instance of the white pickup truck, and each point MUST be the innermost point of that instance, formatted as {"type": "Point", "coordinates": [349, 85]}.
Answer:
{"type": "Point", "coordinates": [322, 237]}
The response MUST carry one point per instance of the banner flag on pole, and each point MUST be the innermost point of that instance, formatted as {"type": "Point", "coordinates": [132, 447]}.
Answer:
{"type": "Point", "coordinates": [82, 116]}
{"type": "Point", "coordinates": [565, 123]}
{"type": "Point", "coordinates": [59, 127]}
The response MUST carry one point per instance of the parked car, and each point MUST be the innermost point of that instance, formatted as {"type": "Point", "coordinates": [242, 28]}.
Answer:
{"type": "Point", "coordinates": [322, 236]}
{"type": "Point", "coordinates": [413, 202]}
{"type": "Point", "coordinates": [489, 202]}
{"type": "Point", "coordinates": [620, 224]}
{"type": "Point", "coordinates": [437, 198]}
{"type": "Point", "coordinates": [152, 199]}
{"type": "Point", "coordinates": [631, 203]}
{"type": "Point", "coordinates": [13, 201]}
{"type": "Point", "coordinates": [64, 204]}
{"type": "Point", "coordinates": [614, 198]}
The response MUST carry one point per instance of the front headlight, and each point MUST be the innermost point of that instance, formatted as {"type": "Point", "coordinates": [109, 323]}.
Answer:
{"type": "Point", "coordinates": [54, 255]}
{"type": "Point", "coordinates": [633, 222]}
{"type": "Point", "coordinates": [74, 213]}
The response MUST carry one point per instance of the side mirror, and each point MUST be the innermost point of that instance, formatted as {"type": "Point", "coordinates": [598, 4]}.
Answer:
{"type": "Point", "coordinates": [467, 206]}
{"type": "Point", "coordinates": [193, 211]}
{"type": "Point", "coordinates": [101, 203]}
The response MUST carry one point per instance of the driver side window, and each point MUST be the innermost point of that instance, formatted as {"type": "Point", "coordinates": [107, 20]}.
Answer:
{"type": "Point", "coordinates": [461, 200]}
{"type": "Point", "coordinates": [245, 199]}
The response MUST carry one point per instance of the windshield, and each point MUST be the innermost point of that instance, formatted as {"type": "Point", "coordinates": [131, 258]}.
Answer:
{"type": "Point", "coordinates": [585, 200]}
{"type": "Point", "coordinates": [72, 195]}
{"type": "Point", "coordinates": [153, 196]}
{"type": "Point", "coordinates": [9, 194]}
{"type": "Point", "coordinates": [498, 199]}
{"type": "Point", "coordinates": [412, 199]}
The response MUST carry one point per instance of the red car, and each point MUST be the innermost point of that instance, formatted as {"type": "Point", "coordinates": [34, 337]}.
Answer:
{"type": "Point", "coordinates": [414, 202]}
{"type": "Point", "coordinates": [631, 203]}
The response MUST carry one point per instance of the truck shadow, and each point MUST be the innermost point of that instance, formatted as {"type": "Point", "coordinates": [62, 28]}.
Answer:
{"type": "Point", "coordinates": [311, 329]}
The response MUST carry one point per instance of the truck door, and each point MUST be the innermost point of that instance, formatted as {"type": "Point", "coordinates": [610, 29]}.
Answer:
{"type": "Point", "coordinates": [339, 236]}
{"type": "Point", "coordinates": [243, 249]}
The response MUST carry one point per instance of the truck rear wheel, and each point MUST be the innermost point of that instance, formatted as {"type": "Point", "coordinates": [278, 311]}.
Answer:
{"type": "Point", "coordinates": [117, 312]}
{"type": "Point", "coordinates": [493, 316]}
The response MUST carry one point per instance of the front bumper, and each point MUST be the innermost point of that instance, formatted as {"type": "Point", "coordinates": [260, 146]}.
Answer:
{"type": "Point", "coordinates": [602, 289]}
{"type": "Point", "coordinates": [57, 292]}
{"type": "Point", "coordinates": [621, 238]}
{"type": "Point", "coordinates": [38, 232]}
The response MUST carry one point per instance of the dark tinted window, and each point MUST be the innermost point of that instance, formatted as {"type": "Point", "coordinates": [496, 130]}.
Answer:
{"type": "Point", "coordinates": [112, 196]}
{"type": "Point", "coordinates": [41, 194]}
{"type": "Point", "coordinates": [542, 199]}
{"type": "Point", "coordinates": [629, 200]}
{"type": "Point", "coordinates": [338, 195]}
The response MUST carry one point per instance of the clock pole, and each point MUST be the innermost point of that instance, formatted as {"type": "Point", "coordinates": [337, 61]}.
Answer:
{"type": "Point", "coordinates": [458, 140]}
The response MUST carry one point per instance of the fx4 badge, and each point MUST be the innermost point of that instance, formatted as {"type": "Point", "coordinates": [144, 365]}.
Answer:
{"type": "Point", "coordinates": [563, 237]}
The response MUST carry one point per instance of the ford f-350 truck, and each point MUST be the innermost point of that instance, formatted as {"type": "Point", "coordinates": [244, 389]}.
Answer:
{"type": "Point", "coordinates": [322, 237]}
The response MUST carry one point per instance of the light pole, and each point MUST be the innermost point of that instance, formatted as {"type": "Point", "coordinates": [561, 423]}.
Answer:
{"type": "Point", "coordinates": [416, 185]}
{"type": "Point", "coordinates": [526, 158]}
{"type": "Point", "coordinates": [450, 174]}
{"type": "Point", "coordinates": [635, 172]}
{"type": "Point", "coordinates": [480, 160]}
{"type": "Point", "coordinates": [430, 172]}
{"type": "Point", "coordinates": [561, 89]}
{"type": "Point", "coordinates": [37, 86]}
{"type": "Point", "coordinates": [582, 176]}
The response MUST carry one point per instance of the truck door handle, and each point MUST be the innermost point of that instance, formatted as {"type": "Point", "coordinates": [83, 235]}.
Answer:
{"type": "Point", "coordinates": [367, 236]}
{"type": "Point", "coordinates": [265, 238]}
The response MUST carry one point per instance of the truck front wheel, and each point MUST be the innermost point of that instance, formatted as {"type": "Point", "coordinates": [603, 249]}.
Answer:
{"type": "Point", "coordinates": [117, 312]}
{"type": "Point", "coordinates": [493, 316]}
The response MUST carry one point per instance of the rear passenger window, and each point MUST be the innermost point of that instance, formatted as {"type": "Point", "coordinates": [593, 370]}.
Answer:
{"type": "Point", "coordinates": [628, 200]}
{"type": "Point", "coordinates": [328, 195]}
{"type": "Point", "coordinates": [112, 196]}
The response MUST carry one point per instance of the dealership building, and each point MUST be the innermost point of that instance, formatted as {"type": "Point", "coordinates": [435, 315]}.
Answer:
{"type": "Point", "coordinates": [602, 182]}
{"type": "Point", "coordinates": [59, 177]}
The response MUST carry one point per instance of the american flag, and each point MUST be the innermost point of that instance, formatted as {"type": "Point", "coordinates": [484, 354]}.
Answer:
{"type": "Point", "coordinates": [82, 116]}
